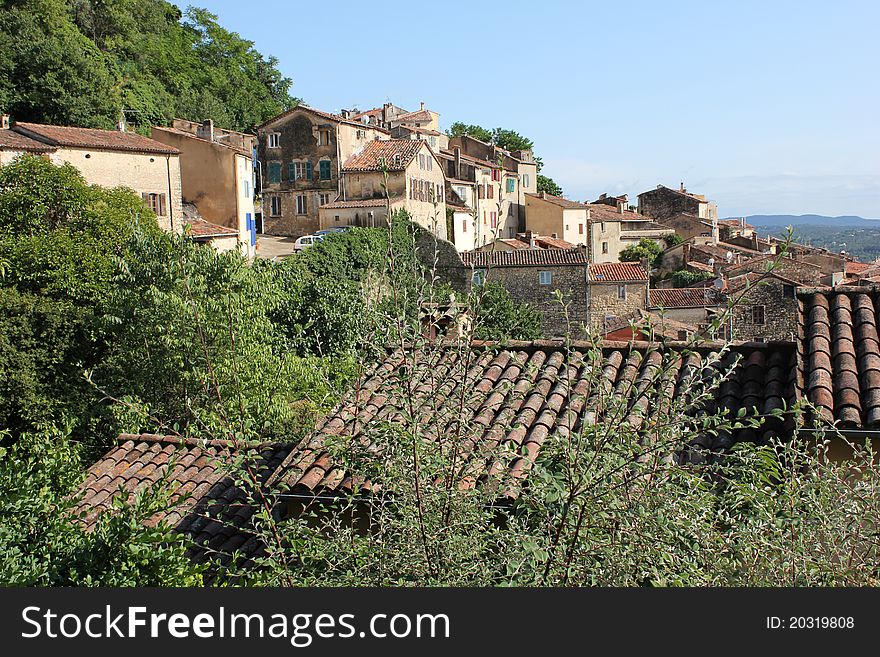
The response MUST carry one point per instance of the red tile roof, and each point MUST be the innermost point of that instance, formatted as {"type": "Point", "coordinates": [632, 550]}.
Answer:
{"type": "Point", "coordinates": [526, 258]}
{"type": "Point", "coordinates": [558, 200]}
{"type": "Point", "coordinates": [217, 515]}
{"type": "Point", "coordinates": [839, 354]}
{"type": "Point", "coordinates": [684, 297]}
{"type": "Point", "coordinates": [413, 117]}
{"type": "Point", "coordinates": [109, 140]}
{"type": "Point", "coordinates": [617, 272]}
{"type": "Point", "coordinates": [395, 154]}
{"type": "Point", "coordinates": [199, 228]}
{"type": "Point", "coordinates": [10, 140]}
{"type": "Point", "coordinates": [336, 118]}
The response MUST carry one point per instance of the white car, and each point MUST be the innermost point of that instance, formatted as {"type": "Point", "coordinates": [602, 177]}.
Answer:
{"type": "Point", "coordinates": [306, 241]}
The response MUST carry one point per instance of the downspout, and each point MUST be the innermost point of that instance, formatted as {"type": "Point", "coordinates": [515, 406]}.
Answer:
{"type": "Point", "coordinates": [170, 195]}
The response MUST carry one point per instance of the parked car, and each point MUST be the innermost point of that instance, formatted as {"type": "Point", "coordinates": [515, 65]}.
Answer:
{"type": "Point", "coordinates": [306, 241]}
{"type": "Point", "coordinates": [330, 231]}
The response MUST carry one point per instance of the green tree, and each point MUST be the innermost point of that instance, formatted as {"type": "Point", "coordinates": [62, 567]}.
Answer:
{"type": "Point", "coordinates": [685, 278]}
{"type": "Point", "coordinates": [547, 184]}
{"type": "Point", "coordinates": [673, 240]}
{"type": "Point", "coordinates": [459, 129]}
{"type": "Point", "coordinates": [499, 317]}
{"type": "Point", "coordinates": [645, 249]}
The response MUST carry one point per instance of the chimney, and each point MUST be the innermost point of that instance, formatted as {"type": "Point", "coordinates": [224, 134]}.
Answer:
{"type": "Point", "coordinates": [4, 121]}
{"type": "Point", "coordinates": [457, 151]}
{"type": "Point", "coordinates": [742, 222]}
{"type": "Point", "coordinates": [644, 263]}
{"type": "Point", "coordinates": [603, 196]}
{"type": "Point", "coordinates": [120, 124]}
{"type": "Point", "coordinates": [206, 130]}
{"type": "Point", "coordinates": [422, 106]}
{"type": "Point", "coordinates": [621, 207]}
{"type": "Point", "coordinates": [681, 187]}
{"type": "Point", "coordinates": [686, 253]}
{"type": "Point", "coordinates": [531, 237]}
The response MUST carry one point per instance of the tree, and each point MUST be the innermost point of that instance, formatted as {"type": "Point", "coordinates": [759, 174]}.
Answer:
{"type": "Point", "coordinates": [547, 184]}
{"type": "Point", "coordinates": [673, 240]}
{"type": "Point", "coordinates": [685, 278]}
{"type": "Point", "coordinates": [646, 249]}
{"type": "Point", "coordinates": [501, 318]}
{"type": "Point", "coordinates": [459, 129]}
{"type": "Point", "coordinates": [511, 140]}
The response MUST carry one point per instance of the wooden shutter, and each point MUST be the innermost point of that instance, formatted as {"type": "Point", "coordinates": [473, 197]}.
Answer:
{"type": "Point", "coordinates": [161, 212]}
{"type": "Point", "coordinates": [309, 170]}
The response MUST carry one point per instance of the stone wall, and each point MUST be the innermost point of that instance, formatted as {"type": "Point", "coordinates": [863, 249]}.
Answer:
{"type": "Point", "coordinates": [604, 300]}
{"type": "Point", "coordinates": [661, 203]}
{"type": "Point", "coordinates": [779, 313]}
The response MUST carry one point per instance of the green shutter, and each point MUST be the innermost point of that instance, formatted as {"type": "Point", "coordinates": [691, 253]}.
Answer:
{"type": "Point", "coordinates": [325, 169]}
{"type": "Point", "coordinates": [291, 171]}
{"type": "Point", "coordinates": [511, 185]}
{"type": "Point", "coordinates": [309, 170]}
{"type": "Point", "coordinates": [274, 172]}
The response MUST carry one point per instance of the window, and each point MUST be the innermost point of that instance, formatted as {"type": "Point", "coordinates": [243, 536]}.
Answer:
{"type": "Point", "coordinates": [324, 167]}
{"type": "Point", "coordinates": [580, 229]}
{"type": "Point", "coordinates": [464, 225]}
{"type": "Point", "coordinates": [360, 134]}
{"type": "Point", "coordinates": [433, 141]}
{"type": "Point", "coordinates": [274, 140]}
{"type": "Point", "coordinates": [301, 204]}
{"type": "Point", "coordinates": [494, 217]}
{"type": "Point", "coordinates": [621, 291]}
{"type": "Point", "coordinates": [490, 191]}
{"type": "Point", "coordinates": [421, 161]}
{"type": "Point", "coordinates": [788, 291]}
{"type": "Point", "coordinates": [484, 217]}
{"type": "Point", "coordinates": [602, 226]}
{"type": "Point", "coordinates": [758, 315]}
{"type": "Point", "coordinates": [275, 206]}
{"type": "Point", "coordinates": [156, 203]}
{"type": "Point", "coordinates": [247, 188]}
{"type": "Point", "coordinates": [323, 137]}
{"type": "Point", "coordinates": [525, 180]}
{"type": "Point", "coordinates": [511, 185]}
{"type": "Point", "coordinates": [496, 175]}
{"type": "Point", "coordinates": [545, 277]}
{"type": "Point", "coordinates": [323, 199]}
{"type": "Point", "coordinates": [481, 191]}
{"type": "Point", "coordinates": [760, 338]}
{"type": "Point", "coordinates": [604, 247]}
{"type": "Point", "coordinates": [274, 172]}
{"type": "Point", "coordinates": [430, 161]}
{"type": "Point", "coordinates": [479, 276]}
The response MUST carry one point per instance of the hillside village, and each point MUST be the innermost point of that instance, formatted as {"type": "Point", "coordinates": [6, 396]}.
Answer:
{"type": "Point", "coordinates": [651, 278]}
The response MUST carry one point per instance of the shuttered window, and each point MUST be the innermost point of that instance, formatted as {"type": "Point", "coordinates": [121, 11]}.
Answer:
{"type": "Point", "coordinates": [511, 185]}
{"type": "Point", "coordinates": [325, 169]}
{"type": "Point", "coordinates": [274, 172]}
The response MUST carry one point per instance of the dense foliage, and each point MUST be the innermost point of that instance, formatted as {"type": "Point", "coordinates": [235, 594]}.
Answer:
{"type": "Point", "coordinates": [646, 249]}
{"type": "Point", "coordinates": [501, 318]}
{"type": "Point", "coordinates": [81, 62]}
{"type": "Point", "coordinates": [685, 278]}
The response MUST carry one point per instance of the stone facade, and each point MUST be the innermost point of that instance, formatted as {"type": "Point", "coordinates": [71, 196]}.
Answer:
{"type": "Point", "coordinates": [803, 272]}
{"type": "Point", "coordinates": [662, 203]}
{"type": "Point", "coordinates": [301, 153]}
{"type": "Point", "coordinates": [611, 300]}
{"type": "Point", "coordinates": [765, 311]}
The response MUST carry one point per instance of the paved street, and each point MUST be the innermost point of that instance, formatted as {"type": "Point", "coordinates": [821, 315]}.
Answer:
{"type": "Point", "coordinates": [273, 246]}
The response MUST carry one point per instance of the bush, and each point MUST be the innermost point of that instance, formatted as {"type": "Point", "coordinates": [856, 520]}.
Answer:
{"type": "Point", "coordinates": [499, 317]}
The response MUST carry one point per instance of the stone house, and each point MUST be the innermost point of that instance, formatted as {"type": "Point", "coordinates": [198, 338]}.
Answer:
{"type": "Point", "coordinates": [664, 203]}
{"type": "Point", "coordinates": [805, 273]}
{"type": "Point", "coordinates": [527, 240]}
{"type": "Point", "coordinates": [109, 158]}
{"type": "Point", "coordinates": [615, 289]}
{"type": "Point", "coordinates": [390, 116]}
{"type": "Point", "coordinates": [690, 225]}
{"type": "Point", "coordinates": [415, 183]}
{"type": "Point", "coordinates": [217, 175]}
{"type": "Point", "coordinates": [533, 276]}
{"type": "Point", "coordinates": [696, 306]}
{"type": "Point", "coordinates": [764, 307]}
{"type": "Point", "coordinates": [300, 154]}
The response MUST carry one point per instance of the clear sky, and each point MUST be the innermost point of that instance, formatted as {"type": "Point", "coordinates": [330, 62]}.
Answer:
{"type": "Point", "coordinates": [767, 107]}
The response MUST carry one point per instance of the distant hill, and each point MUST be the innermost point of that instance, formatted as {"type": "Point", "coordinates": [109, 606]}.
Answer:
{"type": "Point", "coordinates": [782, 220]}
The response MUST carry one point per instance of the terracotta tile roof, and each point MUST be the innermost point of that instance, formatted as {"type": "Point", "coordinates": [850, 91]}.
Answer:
{"type": "Point", "coordinates": [413, 117]}
{"type": "Point", "coordinates": [521, 394]}
{"type": "Point", "coordinates": [110, 140]}
{"type": "Point", "coordinates": [336, 118]}
{"type": "Point", "coordinates": [763, 262]}
{"type": "Point", "coordinates": [10, 140]}
{"type": "Point", "coordinates": [733, 223]}
{"type": "Point", "coordinates": [839, 354]}
{"type": "Point", "coordinates": [661, 327]}
{"type": "Point", "coordinates": [199, 228]}
{"type": "Point", "coordinates": [617, 271]}
{"type": "Point", "coordinates": [395, 153]}
{"type": "Point", "coordinates": [854, 267]}
{"type": "Point", "coordinates": [526, 258]}
{"type": "Point", "coordinates": [701, 266]}
{"type": "Point", "coordinates": [682, 297]}
{"type": "Point", "coordinates": [183, 133]}
{"type": "Point", "coordinates": [739, 283]}
{"type": "Point", "coordinates": [603, 212]}
{"type": "Point", "coordinates": [558, 200]}
{"type": "Point", "coordinates": [364, 203]}
{"type": "Point", "coordinates": [216, 514]}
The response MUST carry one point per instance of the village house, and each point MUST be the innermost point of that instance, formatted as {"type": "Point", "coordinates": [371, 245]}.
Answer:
{"type": "Point", "coordinates": [415, 183]}
{"type": "Point", "coordinates": [562, 219]}
{"type": "Point", "coordinates": [301, 153]}
{"type": "Point", "coordinates": [764, 307]}
{"type": "Point", "coordinates": [676, 207]}
{"type": "Point", "coordinates": [533, 276]}
{"type": "Point", "coordinates": [109, 158]}
{"type": "Point", "coordinates": [645, 325]}
{"type": "Point", "coordinates": [390, 116]}
{"type": "Point", "coordinates": [805, 273]}
{"type": "Point", "coordinates": [480, 211]}
{"type": "Point", "coordinates": [217, 176]}
{"type": "Point", "coordinates": [696, 306]}
{"type": "Point", "coordinates": [527, 240]}
{"type": "Point", "coordinates": [615, 289]}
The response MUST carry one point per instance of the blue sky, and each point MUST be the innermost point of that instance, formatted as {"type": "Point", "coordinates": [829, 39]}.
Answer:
{"type": "Point", "coordinates": [767, 107]}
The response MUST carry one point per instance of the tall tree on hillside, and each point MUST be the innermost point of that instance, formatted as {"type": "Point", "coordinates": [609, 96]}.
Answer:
{"type": "Point", "coordinates": [548, 185]}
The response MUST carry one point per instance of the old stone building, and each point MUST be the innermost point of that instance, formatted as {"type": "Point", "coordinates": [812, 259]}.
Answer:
{"type": "Point", "coordinates": [483, 213]}
{"type": "Point", "coordinates": [301, 153]}
{"type": "Point", "coordinates": [697, 306]}
{"type": "Point", "coordinates": [763, 307]}
{"type": "Point", "coordinates": [533, 276]}
{"type": "Point", "coordinates": [414, 183]}
{"type": "Point", "coordinates": [217, 175]}
{"type": "Point", "coordinates": [109, 158]}
{"type": "Point", "coordinates": [664, 203]}
{"type": "Point", "coordinates": [615, 289]}
{"type": "Point", "coordinates": [805, 273]}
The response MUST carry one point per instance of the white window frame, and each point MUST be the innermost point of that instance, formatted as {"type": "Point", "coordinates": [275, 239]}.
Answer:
{"type": "Point", "coordinates": [273, 200]}
{"type": "Point", "coordinates": [621, 291]}
{"type": "Point", "coordinates": [545, 277]}
{"type": "Point", "coordinates": [478, 278]}
{"type": "Point", "coordinates": [273, 140]}
{"type": "Point", "coordinates": [302, 204]}
{"type": "Point", "coordinates": [323, 137]}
